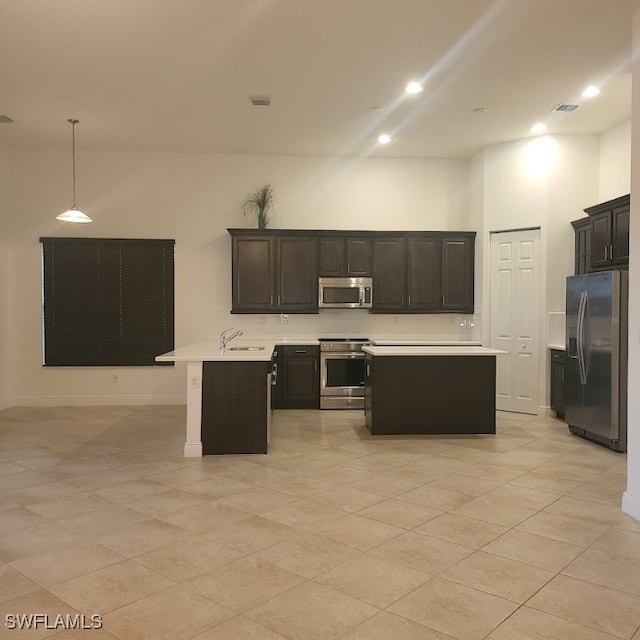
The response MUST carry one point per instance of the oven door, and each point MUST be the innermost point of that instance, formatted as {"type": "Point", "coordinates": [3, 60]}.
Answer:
{"type": "Point", "coordinates": [342, 374]}
{"type": "Point", "coordinates": [339, 296]}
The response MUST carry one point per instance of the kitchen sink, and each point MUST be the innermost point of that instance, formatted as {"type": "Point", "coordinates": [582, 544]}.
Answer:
{"type": "Point", "coordinates": [245, 348]}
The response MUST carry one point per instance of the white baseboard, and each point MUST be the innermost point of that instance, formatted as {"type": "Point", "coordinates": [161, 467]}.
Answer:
{"type": "Point", "coordinates": [193, 449]}
{"type": "Point", "coordinates": [5, 403]}
{"type": "Point", "coordinates": [631, 505]}
{"type": "Point", "coordinates": [89, 401]}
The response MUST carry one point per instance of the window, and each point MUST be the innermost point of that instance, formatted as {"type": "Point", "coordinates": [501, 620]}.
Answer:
{"type": "Point", "coordinates": [107, 302]}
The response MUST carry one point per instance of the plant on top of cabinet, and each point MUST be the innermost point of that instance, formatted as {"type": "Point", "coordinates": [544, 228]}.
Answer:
{"type": "Point", "coordinates": [258, 203]}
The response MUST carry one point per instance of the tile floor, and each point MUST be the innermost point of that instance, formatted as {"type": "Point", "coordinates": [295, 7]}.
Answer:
{"type": "Point", "coordinates": [333, 534]}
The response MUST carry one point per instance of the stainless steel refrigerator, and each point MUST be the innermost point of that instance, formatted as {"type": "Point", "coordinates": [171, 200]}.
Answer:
{"type": "Point", "coordinates": [595, 384]}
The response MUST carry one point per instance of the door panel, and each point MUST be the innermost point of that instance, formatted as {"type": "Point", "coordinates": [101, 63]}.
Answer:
{"type": "Point", "coordinates": [514, 318]}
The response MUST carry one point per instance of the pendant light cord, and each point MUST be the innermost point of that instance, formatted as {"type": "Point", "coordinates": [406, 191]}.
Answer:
{"type": "Point", "coordinates": [73, 122]}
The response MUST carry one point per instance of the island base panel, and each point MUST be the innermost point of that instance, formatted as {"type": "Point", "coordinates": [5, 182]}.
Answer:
{"type": "Point", "coordinates": [235, 407]}
{"type": "Point", "coordinates": [436, 395]}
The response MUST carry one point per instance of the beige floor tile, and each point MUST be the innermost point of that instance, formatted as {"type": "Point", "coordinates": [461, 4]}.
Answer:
{"type": "Point", "coordinates": [340, 475]}
{"type": "Point", "coordinates": [436, 497]}
{"type": "Point", "coordinates": [100, 480]}
{"type": "Point", "coordinates": [20, 519]}
{"type": "Point", "coordinates": [97, 523]}
{"type": "Point", "coordinates": [400, 513]}
{"type": "Point", "coordinates": [14, 584]}
{"type": "Point", "coordinates": [110, 587]}
{"type": "Point", "coordinates": [244, 583]}
{"type": "Point", "coordinates": [495, 472]}
{"type": "Point", "coordinates": [215, 487]}
{"type": "Point", "coordinates": [373, 579]}
{"type": "Point", "coordinates": [577, 508]}
{"type": "Point", "coordinates": [70, 506]}
{"type": "Point", "coordinates": [546, 483]}
{"type": "Point", "coordinates": [348, 499]}
{"type": "Point", "coordinates": [304, 514]}
{"type": "Point", "coordinates": [33, 540]}
{"type": "Point", "coordinates": [599, 493]}
{"type": "Point", "coordinates": [66, 562]}
{"type": "Point", "coordinates": [166, 502]}
{"type": "Point", "coordinates": [387, 484]}
{"type": "Point", "coordinates": [524, 496]}
{"type": "Point", "coordinates": [311, 612]}
{"type": "Point", "coordinates": [420, 551]}
{"type": "Point", "coordinates": [563, 528]}
{"type": "Point", "coordinates": [495, 510]}
{"type": "Point", "coordinates": [142, 537]}
{"type": "Point", "coordinates": [130, 490]}
{"type": "Point", "coordinates": [387, 626]}
{"type": "Point", "coordinates": [239, 628]}
{"type": "Point", "coordinates": [307, 555]}
{"type": "Point", "coordinates": [535, 550]}
{"type": "Point", "coordinates": [566, 471]}
{"type": "Point", "coordinates": [466, 531]}
{"type": "Point", "coordinates": [81, 634]}
{"type": "Point", "coordinates": [256, 500]}
{"type": "Point", "coordinates": [358, 532]}
{"type": "Point", "coordinates": [176, 612]}
{"type": "Point", "coordinates": [529, 624]}
{"type": "Point", "coordinates": [454, 609]}
{"type": "Point", "coordinates": [591, 605]}
{"type": "Point", "coordinates": [188, 558]}
{"type": "Point", "coordinates": [468, 484]}
{"type": "Point", "coordinates": [43, 493]}
{"type": "Point", "coordinates": [499, 576]}
{"type": "Point", "coordinates": [204, 518]}
{"type": "Point", "coordinates": [250, 533]}
{"type": "Point", "coordinates": [182, 477]}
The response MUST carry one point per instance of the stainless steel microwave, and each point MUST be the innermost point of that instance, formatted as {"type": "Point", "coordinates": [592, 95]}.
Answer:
{"type": "Point", "coordinates": [345, 293]}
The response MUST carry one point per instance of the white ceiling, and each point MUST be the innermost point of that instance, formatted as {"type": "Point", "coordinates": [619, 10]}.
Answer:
{"type": "Point", "coordinates": [176, 75]}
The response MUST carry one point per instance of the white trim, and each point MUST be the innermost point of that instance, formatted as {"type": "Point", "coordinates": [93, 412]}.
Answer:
{"type": "Point", "coordinates": [87, 401]}
{"type": "Point", "coordinates": [194, 410]}
{"type": "Point", "coordinates": [193, 449]}
{"type": "Point", "coordinates": [631, 505]}
{"type": "Point", "coordinates": [6, 404]}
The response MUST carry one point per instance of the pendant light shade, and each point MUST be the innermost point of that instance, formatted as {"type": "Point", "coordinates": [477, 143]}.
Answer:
{"type": "Point", "coordinates": [73, 214]}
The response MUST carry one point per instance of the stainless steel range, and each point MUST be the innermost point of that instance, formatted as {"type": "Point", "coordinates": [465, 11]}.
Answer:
{"type": "Point", "coordinates": [342, 373]}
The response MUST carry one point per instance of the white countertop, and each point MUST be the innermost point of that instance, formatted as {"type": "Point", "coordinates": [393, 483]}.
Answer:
{"type": "Point", "coordinates": [209, 351]}
{"type": "Point", "coordinates": [419, 340]}
{"type": "Point", "coordinates": [432, 351]}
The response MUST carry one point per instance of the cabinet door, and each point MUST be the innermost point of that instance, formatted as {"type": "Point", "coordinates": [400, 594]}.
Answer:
{"type": "Point", "coordinates": [582, 246]}
{"type": "Point", "coordinates": [300, 377]}
{"type": "Point", "coordinates": [389, 274]}
{"type": "Point", "coordinates": [600, 240]}
{"type": "Point", "coordinates": [620, 236]}
{"type": "Point", "coordinates": [558, 360]}
{"type": "Point", "coordinates": [424, 274]}
{"type": "Point", "coordinates": [457, 273]}
{"type": "Point", "coordinates": [297, 273]}
{"type": "Point", "coordinates": [358, 257]}
{"type": "Point", "coordinates": [253, 273]}
{"type": "Point", "coordinates": [332, 257]}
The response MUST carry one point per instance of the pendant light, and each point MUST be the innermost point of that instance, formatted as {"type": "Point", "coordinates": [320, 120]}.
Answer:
{"type": "Point", "coordinates": [74, 214]}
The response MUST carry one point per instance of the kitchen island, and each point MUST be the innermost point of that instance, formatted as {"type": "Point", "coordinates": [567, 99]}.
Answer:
{"type": "Point", "coordinates": [228, 396]}
{"type": "Point", "coordinates": [430, 390]}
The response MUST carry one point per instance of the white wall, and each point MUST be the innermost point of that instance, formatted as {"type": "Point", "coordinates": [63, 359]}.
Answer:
{"type": "Point", "coordinates": [5, 300]}
{"type": "Point", "coordinates": [631, 498]}
{"type": "Point", "coordinates": [615, 162]}
{"type": "Point", "coordinates": [194, 198]}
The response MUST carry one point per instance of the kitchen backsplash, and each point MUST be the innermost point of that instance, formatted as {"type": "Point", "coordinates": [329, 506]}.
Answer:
{"type": "Point", "coordinates": [350, 322]}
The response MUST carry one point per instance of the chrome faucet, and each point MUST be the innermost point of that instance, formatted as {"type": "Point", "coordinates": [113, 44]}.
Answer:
{"type": "Point", "coordinates": [224, 339]}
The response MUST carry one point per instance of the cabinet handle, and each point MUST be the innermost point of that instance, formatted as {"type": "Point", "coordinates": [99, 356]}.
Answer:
{"type": "Point", "coordinates": [315, 366]}
{"type": "Point", "coordinates": [409, 300]}
{"type": "Point", "coordinates": [606, 252]}
{"type": "Point", "coordinates": [348, 267]}
{"type": "Point", "coordinates": [562, 377]}
{"type": "Point", "coordinates": [300, 351]}
{"type": "Point", "coordinates": [443, 301]}
{"type": "Point", "coordinates": [278, 299]}
{"type": "Point", "coordinates": [402, 301]}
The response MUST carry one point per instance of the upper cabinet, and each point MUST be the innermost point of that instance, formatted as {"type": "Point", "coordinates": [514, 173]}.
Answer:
{"type": "Point", "coordinates": [277, 270]}
{"type": "Point", "coordinates": [274, 273]}
{"type": "Point", "coordinates": [345, 256]}
{"type": "Point", "coordinates": [602, 239]}
{"type": "Point", "coordinates": [423, 272]}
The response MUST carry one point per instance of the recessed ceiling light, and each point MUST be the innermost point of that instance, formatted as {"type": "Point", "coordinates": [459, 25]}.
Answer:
{"type": "Point", "coordinates": [538, 127]}
{"type": "Point", "coordinates": [384, 138]}
{"type": "Point", "coordinates": [413, 87]}
{"type": "Point", "coordinates": [590, 92]}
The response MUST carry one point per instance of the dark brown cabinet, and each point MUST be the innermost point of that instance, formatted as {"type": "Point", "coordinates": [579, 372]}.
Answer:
{"type": "Point", "coordinates": [298, 377]}
{"type": "Point", "coordinates": [235, 407]}
{"type": "Point", "coordinates": [423, 273]}
{"type": "Point", "coordinates": [558, 363]}
{"type": "Point", "coordinates": [345, 256]}
{"type": "Point", "coordinates": [602, 239]}
{"type": "Point", "coordinates": [582, 230]}
{"type": "Point", "coordinates": [274, 273]}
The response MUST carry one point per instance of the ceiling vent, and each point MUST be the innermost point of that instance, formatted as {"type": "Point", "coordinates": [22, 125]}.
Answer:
{"type": "Point", "coordinates": [5, 119]}
{"type": "Point", "coordinates": [567, 108]}
{"type": "Point", "coordinates": [260, 101]}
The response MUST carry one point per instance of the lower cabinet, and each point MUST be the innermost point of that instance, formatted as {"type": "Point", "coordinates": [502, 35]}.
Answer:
{"type": "Point", "coordinates": [558, 362]}
{"type": "Point", "coordinates": [298, 383]}
{"type": "Point", "coordinates": [235, 407]}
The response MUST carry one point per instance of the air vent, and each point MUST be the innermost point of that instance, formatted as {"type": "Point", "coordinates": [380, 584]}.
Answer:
{"type": "Point", "coordinates": [567, 108]}
{"type": "Point", "coordinates": [5, 119]}
{"type": "Point", "coordinates": [260, 101]}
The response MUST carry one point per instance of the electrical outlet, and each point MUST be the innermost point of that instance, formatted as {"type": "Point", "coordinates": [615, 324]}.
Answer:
{"type": "Point", "coordinates": [114, 378]}
{"type": "Point", "coordinates": [395, 320]}
{"type": "Point", "coordinates": [195, 382]}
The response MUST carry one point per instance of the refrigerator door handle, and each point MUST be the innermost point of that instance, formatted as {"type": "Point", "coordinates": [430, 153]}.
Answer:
{"type": "Point", "coordinates": [581, 361]}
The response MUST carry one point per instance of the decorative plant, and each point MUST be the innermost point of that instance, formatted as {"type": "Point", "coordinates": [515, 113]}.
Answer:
{"type": "Point", "coordinates": [258, 203]}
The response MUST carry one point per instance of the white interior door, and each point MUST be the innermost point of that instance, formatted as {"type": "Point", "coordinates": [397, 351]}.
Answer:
{"type": "Point", "coordinates": [514, 294]}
